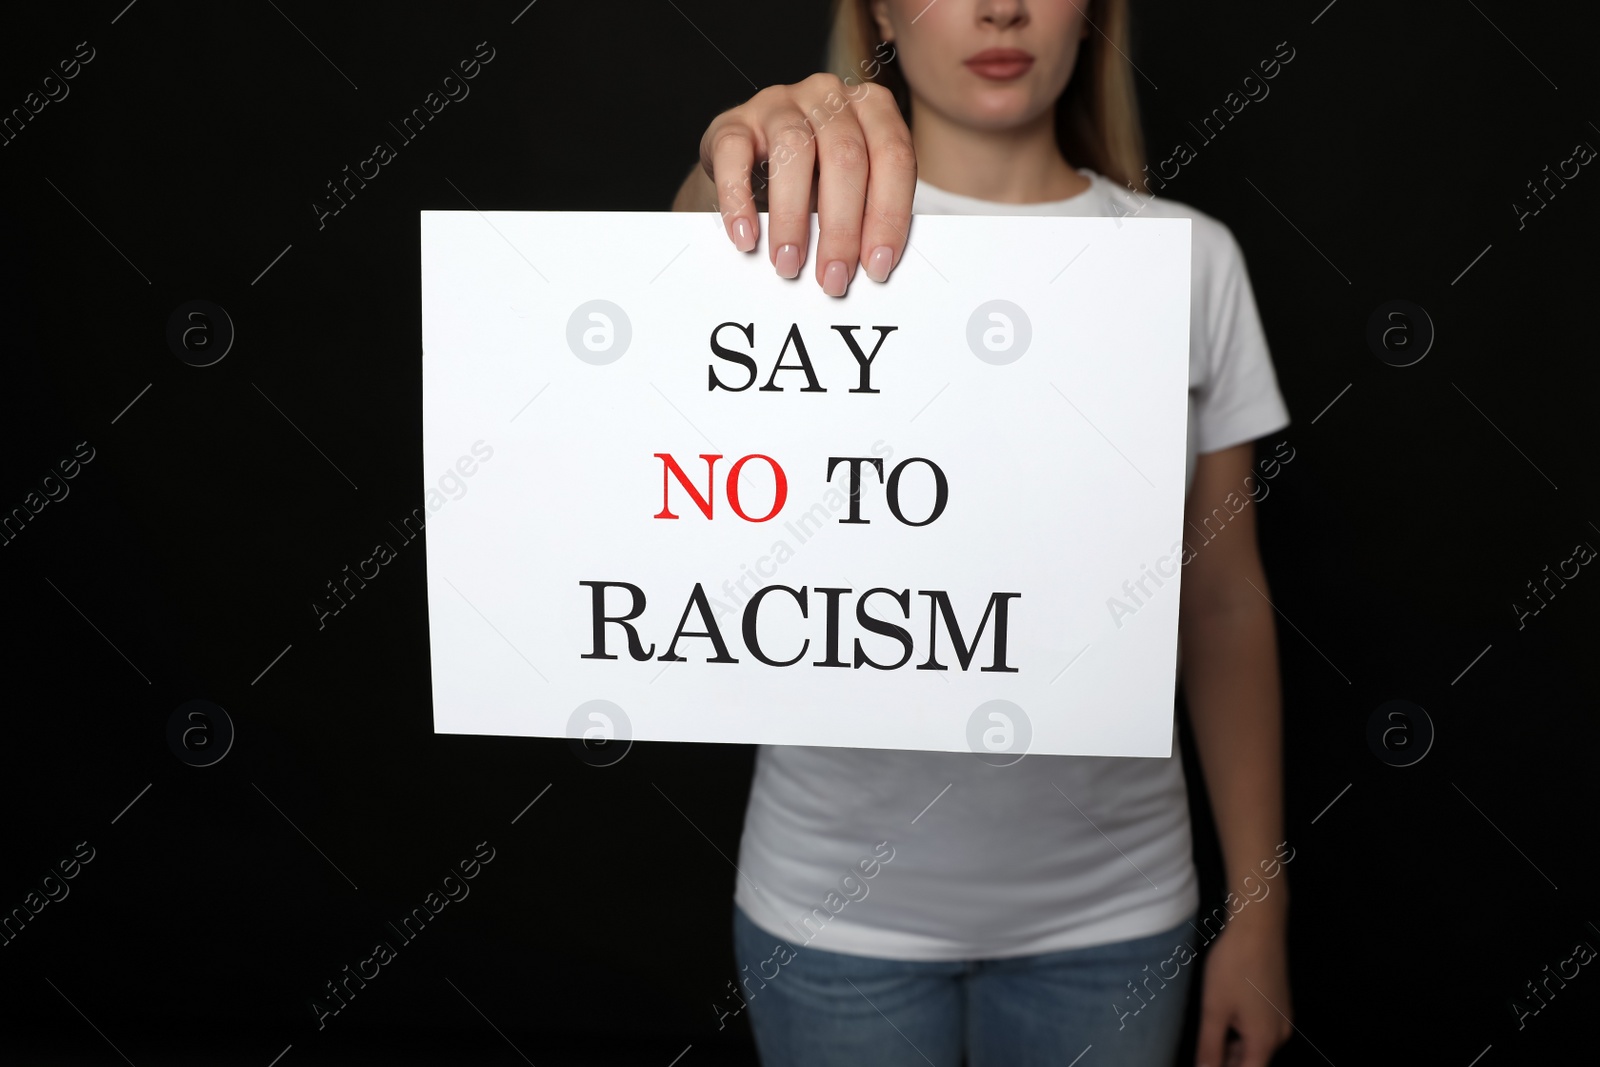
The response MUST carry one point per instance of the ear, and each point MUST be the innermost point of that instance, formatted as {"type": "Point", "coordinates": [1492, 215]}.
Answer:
{"type": "Point", "coordinates": [880, 15]}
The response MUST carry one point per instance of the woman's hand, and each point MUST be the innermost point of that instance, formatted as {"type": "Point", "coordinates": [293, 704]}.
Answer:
{"type": "Point", "coordinates": [1246, 988]}
{"type": "Point", "coordinates": [843, 150]}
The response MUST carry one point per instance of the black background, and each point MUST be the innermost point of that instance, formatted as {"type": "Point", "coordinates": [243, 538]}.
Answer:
{"type": "Point", "coordinates": [185, 558]}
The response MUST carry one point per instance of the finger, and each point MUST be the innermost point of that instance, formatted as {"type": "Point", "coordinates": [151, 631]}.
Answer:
{"type": "Point", "coordinates": [842, 164]}
{"type": "Point", "coordinates": [791, 158]}
{"type": "Point", "coordinates": [1209, 1046]}
{"type": "Point", "coordinates": [1259, 1038]}
{"type": "Point", "coordinates": [891, 180]}
{"type": "Point", "coordinates": [732, 155]}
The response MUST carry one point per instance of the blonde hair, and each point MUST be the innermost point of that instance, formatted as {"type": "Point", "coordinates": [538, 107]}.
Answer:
{"type": "Point", "coordinates": [1097, 114]}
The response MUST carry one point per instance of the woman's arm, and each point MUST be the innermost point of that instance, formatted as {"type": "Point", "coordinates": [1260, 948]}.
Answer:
{"type": "Point", "coordinates": [1230, 680]}
{"type": "Point", "coordinates": [696, 193]}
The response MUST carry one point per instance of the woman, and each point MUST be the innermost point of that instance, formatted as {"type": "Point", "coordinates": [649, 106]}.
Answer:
{"type": "Point", "coordinates": [1036, 912]}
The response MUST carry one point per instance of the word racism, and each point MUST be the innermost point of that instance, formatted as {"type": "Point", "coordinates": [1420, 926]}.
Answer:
{"type": "Point", "coordinates": [939, 605]}
{"type": "Point", "coordinates": [851, 887]}
{"type": "Point", "coordinates": [54, 488]}
{"type": "Point", "coordinates": [383, 953]}
{"type": "Point", "coordinates": [1183, 952]}
{"type": "Point", "coordinates": [1582, 153]}
{"type": "Point", "coordinates": [383, 153]}
{"type": "Point", "coordinates": [37, 899]}
{"type": "Point", "coordinates": [1581, 555]}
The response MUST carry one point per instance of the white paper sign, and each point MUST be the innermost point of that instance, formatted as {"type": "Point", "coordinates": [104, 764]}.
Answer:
{"type": "Point", "coordinates": [610, 400]}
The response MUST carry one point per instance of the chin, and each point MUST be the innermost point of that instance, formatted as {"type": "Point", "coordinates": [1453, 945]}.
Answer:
{"type": "Point", "coordinates": [999, 113]}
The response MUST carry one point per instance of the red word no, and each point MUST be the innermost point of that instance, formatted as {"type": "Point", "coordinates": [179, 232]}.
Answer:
{"type": "Point", "coordinates": [670, 469]}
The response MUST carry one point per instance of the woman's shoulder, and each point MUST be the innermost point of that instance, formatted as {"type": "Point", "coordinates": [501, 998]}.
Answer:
{"type": "Point", "coordinates": [1211, 238]}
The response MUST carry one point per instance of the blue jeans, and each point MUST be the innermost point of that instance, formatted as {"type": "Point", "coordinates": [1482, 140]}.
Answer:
{"type": "Point", "coordinates": [828, 1009]}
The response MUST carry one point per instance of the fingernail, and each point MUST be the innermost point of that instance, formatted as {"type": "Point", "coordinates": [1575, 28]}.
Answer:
{"type": "Point", "coordinates": [789, 261]}
{"type": "Point", "coordinates": [744, 235]}
{"type": "Point", "coordinates": [878, 264]}
{"type": "Point", "coordinates": [835, 278]}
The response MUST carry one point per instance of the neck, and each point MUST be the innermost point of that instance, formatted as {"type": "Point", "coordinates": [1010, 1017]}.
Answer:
{"type": "Point", "coordinates": [1019, 165]}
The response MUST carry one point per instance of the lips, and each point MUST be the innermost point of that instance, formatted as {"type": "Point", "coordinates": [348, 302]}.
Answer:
{"type": "Point", "coordinates": [1000, 64]}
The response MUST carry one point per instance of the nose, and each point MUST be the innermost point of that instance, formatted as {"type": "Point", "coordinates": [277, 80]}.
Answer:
{"type": "Point", "coordinates": [1003, 13]}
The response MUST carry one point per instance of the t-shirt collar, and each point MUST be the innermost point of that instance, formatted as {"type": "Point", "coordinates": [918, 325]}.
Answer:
{"type": "Point", "coordinates": [1088, 202]}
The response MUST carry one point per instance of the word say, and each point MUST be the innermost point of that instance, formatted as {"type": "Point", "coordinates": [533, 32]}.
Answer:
{"type": "Point", "coordinates": [802, 357]}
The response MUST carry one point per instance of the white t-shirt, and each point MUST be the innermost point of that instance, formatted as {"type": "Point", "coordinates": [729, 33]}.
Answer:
{"type": "Point", "coordinates": [1048, 853]}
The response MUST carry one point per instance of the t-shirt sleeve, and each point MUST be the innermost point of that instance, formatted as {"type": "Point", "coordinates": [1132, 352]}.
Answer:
{"type": "Point", "coordinates": [1237, 397]}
